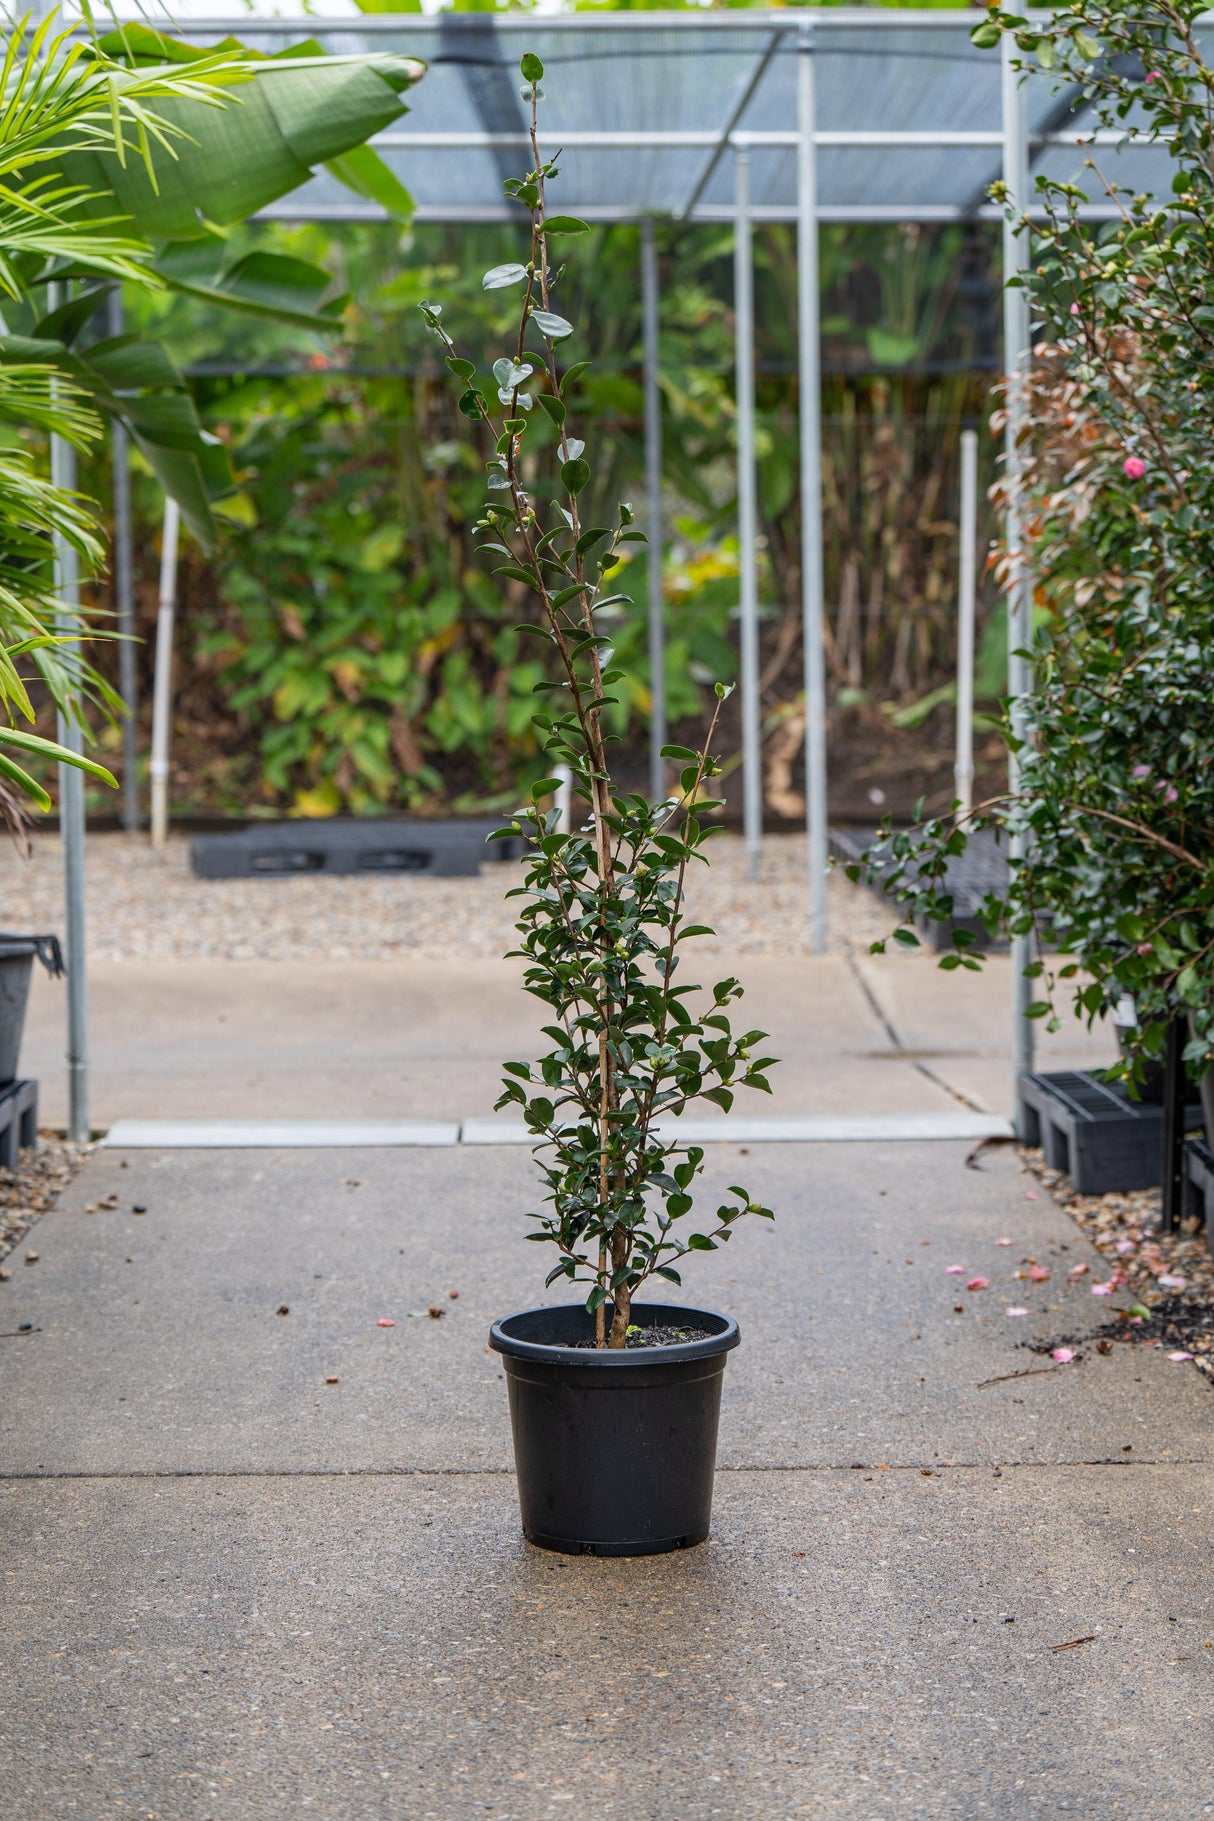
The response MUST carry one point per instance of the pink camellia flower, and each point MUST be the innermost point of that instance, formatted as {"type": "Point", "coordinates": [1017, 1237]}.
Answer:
{"type": "Point", "coordinates": [1140, 771]}
{"type": "Point", "coordinates": [1152, 75]}
{"type": "Point", "coordinates": [1170, 793]}
{"type": "Point", "coordinates": [1134, 466]}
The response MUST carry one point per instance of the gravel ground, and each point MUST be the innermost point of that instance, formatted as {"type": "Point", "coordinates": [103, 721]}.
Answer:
{"type": "Point", "coordinates": [144, 906]}
{"type": "Point", "coordinates": [1159, 1288]}
{"type": "Point", "coordinates": [34, 1186]}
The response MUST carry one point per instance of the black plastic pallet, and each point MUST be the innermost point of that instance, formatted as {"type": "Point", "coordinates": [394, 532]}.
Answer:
{"type": "Point", "coordinates": [982, 868]}
{"type": "Point", "coordinates": [443, 850]}
{"type": "Point", "coordinates": [1199, 1183]}
{"type": "Point", "coordinates": [18, 1119]}
{"type": "Point", "coordinates": [1093, 1132]}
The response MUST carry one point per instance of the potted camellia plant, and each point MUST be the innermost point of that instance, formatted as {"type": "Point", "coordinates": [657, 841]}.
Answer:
{"type": "Point", "coordinates": [614, 1401]}
{"type": "Point", "coordinates": [1114, 484]}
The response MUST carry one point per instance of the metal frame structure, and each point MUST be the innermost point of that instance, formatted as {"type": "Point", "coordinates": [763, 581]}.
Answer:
{"type": "Point", "coordinates": [491, 43]}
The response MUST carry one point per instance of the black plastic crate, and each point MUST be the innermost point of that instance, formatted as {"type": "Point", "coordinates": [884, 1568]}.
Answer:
{"type": "Point", "coordinates": [1093, 1132]}
{"type": "Point", "coordinates": [387, 845]}
{"type": "Point", "coordinates": [1199, 1183]}
{"type": "Point", "coordinates": [18, 1119]}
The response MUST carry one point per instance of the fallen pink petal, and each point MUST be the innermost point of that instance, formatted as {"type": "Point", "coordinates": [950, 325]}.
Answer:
{"type": "Point", "coordinates": [385, 1321]}
{"type": "Point", "coordinates": [978, 1283]}
{"type": "Point", "coordinates": [1171, 1281]}
{"type": "Point", "coordinates": [1180, 1355]}
{"type": "Point", "coordinates": [954, 1270]}
{"type": "Point", "coordinates": [1003, 1242]}
{"type": "Point", "coordinates": [1078, 1271]}
{"type": "Point", "coordinates": [1031, 1195]}
{"type": "Point", "coordinates": [1063, 1355]}
{"type": "Point", "coordinates": [1015, 1312]}
{"type": "Point", "coordinates": [1102, 1289]}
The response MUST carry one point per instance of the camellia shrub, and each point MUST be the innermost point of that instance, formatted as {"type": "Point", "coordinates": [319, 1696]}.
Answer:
{"type": "Point", "coordinates": [1116, 492]}
{"type": "Point", "coordinates": [603, 924]}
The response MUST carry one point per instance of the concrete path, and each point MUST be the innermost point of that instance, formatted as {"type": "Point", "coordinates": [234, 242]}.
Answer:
{"type": "Point", "coordinates": [235, 1592]}
{"type": "Point", "coordinates": [424, 1039]}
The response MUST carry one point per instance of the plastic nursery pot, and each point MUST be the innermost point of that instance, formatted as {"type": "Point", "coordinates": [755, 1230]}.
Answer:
{"type": "Point", "coordinates": [614, 1448]}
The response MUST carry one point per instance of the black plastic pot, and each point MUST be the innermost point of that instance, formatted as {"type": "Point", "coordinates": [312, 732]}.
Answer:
{"type": "Point", "coordinates": [614, 1449]}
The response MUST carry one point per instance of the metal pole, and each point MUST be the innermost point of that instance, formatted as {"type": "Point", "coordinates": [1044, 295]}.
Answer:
{"type": "Point", "coordinates": [810, 425]}
{"type": "Point", "coordinates": [162, 689]}
{"type": "Point", "coordinates": [653, 491]}
{"type": "Point", "coordinates": [1016, 351]}
{"type": "Point", "coordinates": [124, 599]}
{"type": "Point", "coordinates": [744, 341]}
{"type": "Point", "coordinates": [71, 813]}
{"type": "Point", "coordinates": [967, 585]}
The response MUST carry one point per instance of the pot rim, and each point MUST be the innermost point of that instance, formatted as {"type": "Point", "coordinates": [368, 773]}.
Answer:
{"type": "Point", "coordinates": [616, 1359]}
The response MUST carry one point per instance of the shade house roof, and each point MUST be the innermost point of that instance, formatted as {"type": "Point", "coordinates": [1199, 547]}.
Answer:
{"type": "Point", "coordinates": [908, 117]}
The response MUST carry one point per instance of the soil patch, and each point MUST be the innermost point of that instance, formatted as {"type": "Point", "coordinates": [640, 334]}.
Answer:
{"type": "Point", "coordinates": [652, 1337]}
{"type": "Point", "coordinates": [1158, 1290]}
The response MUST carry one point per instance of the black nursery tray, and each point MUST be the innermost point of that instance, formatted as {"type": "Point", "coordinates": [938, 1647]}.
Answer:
{"type": "Point", "coordinates": [1093, 1132]}
{"type": "Point", "coordinates": [18, 1119]}
{"type": "Point", "coordinates": [443, 850]}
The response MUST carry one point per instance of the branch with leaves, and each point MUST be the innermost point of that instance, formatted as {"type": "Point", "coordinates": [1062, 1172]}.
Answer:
{"type": "Point", "coordinates": [1115, 490]}
{"type": "Point", "coordinates": [603, 919]}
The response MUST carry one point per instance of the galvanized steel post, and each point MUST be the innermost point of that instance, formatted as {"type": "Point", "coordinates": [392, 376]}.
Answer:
{"type": "Point", "coordinates": [967, 586]}
{"type": "Point", "coordinates": [810, 425]}
{"type": "Point", "coordinates": [124, 599]}
{"type": "Point", "coordinates": [748, 541]}
{"type": "Point", "coordinates": [1016, 353]}
{"type": "Point", "coordinates": [653, 496]}
{"type": "Point", "coordinates": [71, 813]}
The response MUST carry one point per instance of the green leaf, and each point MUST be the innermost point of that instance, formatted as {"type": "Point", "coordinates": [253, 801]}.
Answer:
{"type": "Point", "coordinates": [554, 327]}
{"type": "Point", "coordinates": [574, 476]}
{"type": "Point", "coordinates": [498, 277]}
{"type": "Point", "coordinates": [564, 224]}
{"type": "Point", "coordinates": [573, 374]}
{"type": "Point", "coordinates": [987, 35]}
{"type": "Point", "coordinates": [293, 113]}
{"type": "Point", "coordinates": [365, 172]}
{"type": "Point", "coordinates": [51, 749]}
{"type": "Point", "coordinates": [552, 407]}
{"type": "Point", "coordinates": [532, 68]}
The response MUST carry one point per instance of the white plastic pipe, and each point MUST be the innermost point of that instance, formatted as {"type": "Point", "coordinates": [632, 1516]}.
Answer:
{"type": "Point", "coordinates": [162, 688]}
{"type": "Point", "coordinates": [748, 540]}
{"type": "Point", "coordinates": [564, 799]}
{"type": "Point", "coordinates": [967, 588]}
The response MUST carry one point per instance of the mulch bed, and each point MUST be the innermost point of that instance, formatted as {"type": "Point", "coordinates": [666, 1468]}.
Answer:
{"type": "Point", "coordinates": [1167, 1277]}
{"type": "Point", "coordinates": [26, 1193]}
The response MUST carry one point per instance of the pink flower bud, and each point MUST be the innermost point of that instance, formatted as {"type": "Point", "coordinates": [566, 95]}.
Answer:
{"type": "Point", "coordinates": [1134, 466]}
{"type": "Point", "coordinates": [1074, 309]}
{"type": "Point", "coordinates": [1140, 771]}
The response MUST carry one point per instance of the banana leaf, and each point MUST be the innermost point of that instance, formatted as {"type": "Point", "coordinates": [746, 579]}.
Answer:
{"type": "Point", "coordinates": [292, 113]}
